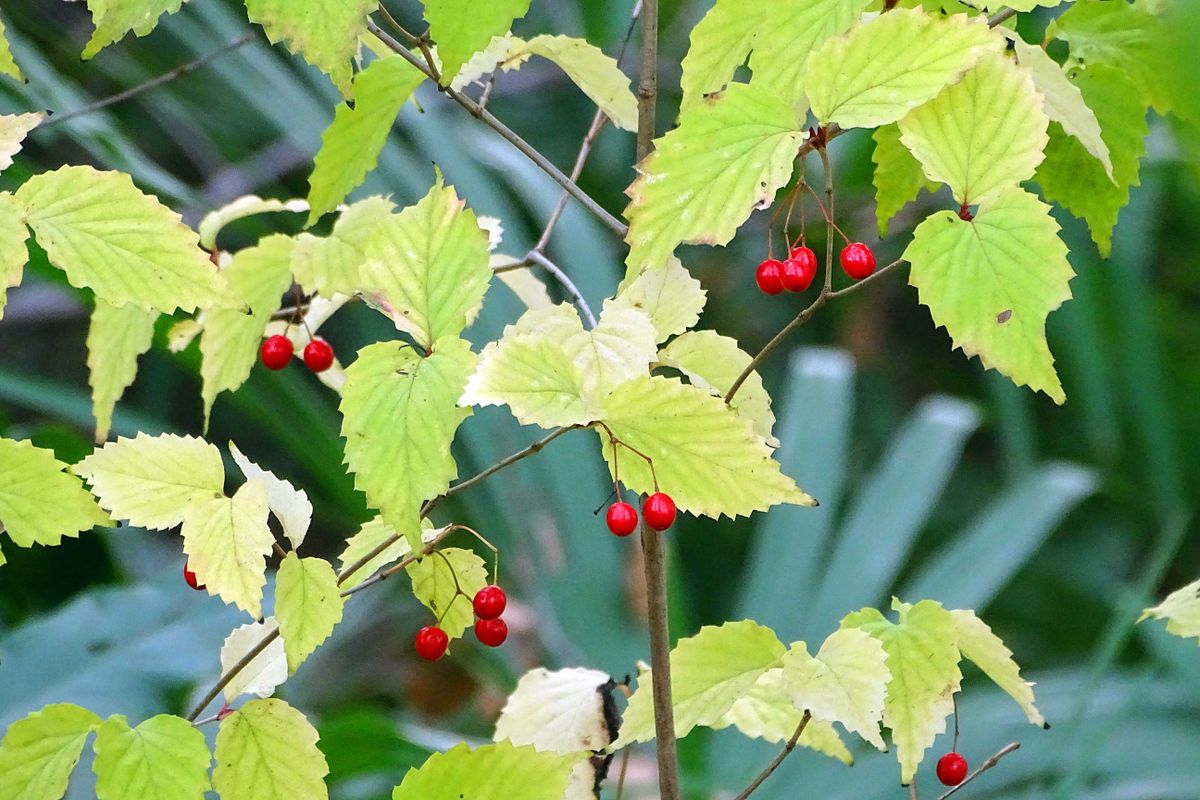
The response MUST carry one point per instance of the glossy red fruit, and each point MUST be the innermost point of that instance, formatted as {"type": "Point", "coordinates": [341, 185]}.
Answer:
{"type": "Point", "coordinates": [431, 643]}
{"type": "Point", "coordinates": [622, 519]}
{"type": "Point", "coordinates": [951, 769]}
{"type": "Point", "coordinates": [191, 579]}
{"type": "Point", "coordinates": [659, 511]}
{"type": "Point", "coordinates": [769, 276]}
{"type": "Point", "coordinates": [799, 270]}
{"type": "Point", "coordinates": [318, 355]}
{"type": "Point", "coordinates": [491, 632]}
{"type": "Point", "coordinates": [806, 257]}
{"type": "Point", "coordinates": [490, 602]}
{"type": "Point", "coordinates": [276, 352]}
{"type": "Point", "coordinates": [858, 261]}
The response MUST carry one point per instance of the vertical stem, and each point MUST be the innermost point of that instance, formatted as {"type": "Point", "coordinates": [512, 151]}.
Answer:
{"type": "Point", "coordinates": [829, 221]}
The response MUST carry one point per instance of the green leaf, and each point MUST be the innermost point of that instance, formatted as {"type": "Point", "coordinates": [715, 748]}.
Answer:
{"type": "Point", "coordinates": [881, 70]}
{"type": "Point", "coordinates": [246, 206]}
{"type": "Point", "coordinates": [791, 31]}
{"type": "Point", "coordinates": [462, 28]}
{"type": "Point", "coordinates": [150, 480]}
{"type": "Point", "coordinates": [1181, 610]}
{"type": "Point", "coordinates": [706, 457]}
{"type": "Point", "coordinates": [766, 712]}
{"type": "Point", "coordinates": [115, 18]}
{"type": "Point", "coordinates": [993, 281]}
{"type": "Point", "coordinates": [290, 505]}
{"type": "Point", "coordinates": [13, 254]}
{"type": "Point", "coordinates": [392, 388]}
{"type": "Point", "coordinates": [258, 276]}
{"type": "Point", "coordinates": [164, 758]}
{"type": "Point", "coordinates": [713, 362]}
{"type": "Point", "coordinates": [7, 65]}
{"type": "Point", "coordinates": [330, 266]}
{"type": "Point", "coordinates": [308, 604]}
{"type": "Point", "coordinates": [1064, 102]}
{"type": "Point", "coordinates": [116, 337]}
{"type": "Point", "coordinates": [977, 643]}
{"type": "Point", "coordinates": [1071, 177]}
{"type": "Point", "coordinates": [492, 771]}
{"type": "Point", "coordinates": [267, 750]}
{"type": "Point", "coordinates": [982, 135]}
{"type": "Point", "coordinates": [445, 582]}
{"type": "Point", "coordinates": [13, 130]}
{"type": "Point", "coordinates": [265, 672]}
{"type": "Point", "coordinates": [730, 154]}
{"type": "Point", "coordinates": [720, 43]}
{"type": "Point", "coordinates": [429, 265]}
{"type": "Point", "coordinates": [898, 176]}
{"type": "Point", "coordinates": [39, 503]}
{"type": "Point", "coordinates": [560, 711]}
{"type": "Point", "coordinates": [923, 661]}
{"type": "Point", "coordinates": [39, 752]}
{"type": "Point", "coordinates": [372, 535]}
{"type": "Point", "coordinates": [670, 296]}
{"type": "Point", "coordinates": [845, 682]}
{"type": "Point", "coordinates": [351, 145]}
{"type": "Point", "coordinates": [227, 542]}
{"type": "Point", "coordinates": [709, 673]}
{"type": "Point", "coordinates": [124, 245]}
{"type": "Point", "coordinates": [322, 32]}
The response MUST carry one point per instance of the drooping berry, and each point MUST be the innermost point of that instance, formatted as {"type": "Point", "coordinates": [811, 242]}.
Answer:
{"type": "Point", "coordinates": [659, 511]}
{"type": "Point", "coordinates": [431, 643]}
{"type": "Point", "coordinates": [806, 257]}
{"type": "Point", "coordinates": [490, 602]}
{"type": "Point", "coordinates": [491, 632]}
{"type": "Point", "coordinates": [622, 519]}
{"type": "Point", "coordinates": [191, 578]}
{"type": "Point", "coordinates": [318, 355]}
{"type": "Point", "coordinates": [769, 276]}
{"type": "Point", "coordinates": [951, 769]}
{"type": "Point", "coordinates": [276, 351]}
{"type": "Point", "coordinates": [799, 269]}
{"type": "Point", "coordinates": [858, 261]}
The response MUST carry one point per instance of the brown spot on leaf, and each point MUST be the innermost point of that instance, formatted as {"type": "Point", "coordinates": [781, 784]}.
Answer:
{"type": "Point", "coordinates": [1004, 316]}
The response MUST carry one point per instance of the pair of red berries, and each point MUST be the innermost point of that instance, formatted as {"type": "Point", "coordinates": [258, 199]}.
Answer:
{"type": "Point", "coordinates": [952, 769]}
{"type": "Point", "coordinates": [797, 272]}
{"type": "Point", "coordinates": [277, 351]}
{"type": "Point", "coordinates": [658, 511]}
{"type": "Point", "coordinates": [490, 630]}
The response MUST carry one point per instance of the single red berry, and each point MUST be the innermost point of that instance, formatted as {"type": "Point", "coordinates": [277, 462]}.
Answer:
{"type": "Point", "coordinates": [951, 769]}
{"type": "Point", "coordinates": [276, 352]}
{"type": "Point", "coordinates": [491, 632]}
{"type": "Point", "coordinates": [191, 578]}
{"type": "Point", "coordinates": [769, 276]}
{"type": "Point", "coordinates": [659, 511]}
{"type": "Point", "coordinates": [431, 642]}
{"type": "Point", "coordinates": [622, 519]}
{"type": "Point", "coordinates": [806, 257]}
{"type": "Point", "coordinates": [490, 602]}
{"type": "Point", "coordinates": [858, 261]}
{"type": "Point", "coordinates": [318, 355]}
{"type": "Point", "coordinates": [798, 273]}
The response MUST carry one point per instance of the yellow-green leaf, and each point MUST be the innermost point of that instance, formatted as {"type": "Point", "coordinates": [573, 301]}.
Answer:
{"type": "Point", "coordinates": [977, 642]}
{"type": "Point", "coordinates": [13, 253]}
{"type": "Point", "coordinates": [898, 177]}
{"type": "Point", "coordinates": [39, 502]}
{"type": "Point", "coordinates": [116, 337]}
{"type": "Point", "coordinates": [993, 281]}
{"type": "Point", "coordinates": [245, 206]}
{"type": "Point", "coordinates": [267, 750]}
{"type": "Point", "coordinates": [496, 771]}
{"type": "Point", "coordinates": [39, 752]}
{"type": "Point", "coordinates": [308, 605]}
{"type": "Point", "coordinates": [164, 758]}
{"type": "Point", "coordinates": [265, 671]}
{"type": "Point", "coordinates": [330, 265]}
{"type": "Point", "coordinates": [670, 296]}
{"type": "Point", "coordinates": [462, 28]}
{"type": "Point", "coordinates": [124, 245]}
{"type": "Point", "coordinates": [445, 581]}
{"type": "Point", "coordinates": [7, 65]}
{"type": "Point", "coordinates": [322, 32]}
{"type": "Point", "coordinates": [115, 18]}
{"type": "Point", "coordinates": [535, 377]}
{"type": "Point", "coordinates": [1181, 610]}
{"type": "Point", "coordinates": [13, 130]}
{"type": "Point", "coordinates": [374, 534]}
{"type": "Point", "coordinates": [227, 542]}
{"type": "Point", "coordinates": [720, 43]}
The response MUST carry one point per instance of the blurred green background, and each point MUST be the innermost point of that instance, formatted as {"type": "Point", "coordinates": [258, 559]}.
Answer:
{"type": "Point", "coordinates": [936, 479]}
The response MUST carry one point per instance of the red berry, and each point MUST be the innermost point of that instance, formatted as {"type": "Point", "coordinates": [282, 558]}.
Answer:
{"type": "Point", "coordinates": [622, 519]}
{"type": "Point", "coordinates": [951, 769]}
{"type": "Point", "coordinates": [491, 632]}
{"type": "Point", "coordinates": [225, 711]}
{"type": "Point", "coordinates": [490, 602]}
{"type": "Point", "coordinates": [318, 355]}
{"type": "Point", "coordinates": [191, 578]}
{"type": "Point", "coordinates": [858, 261]}
{"type": "Point", "coordinates": [799, 270]}
{"type": "Point", "coordinates": [431, 642]}
{"type": "Point", "coordinates": [770, 276]}
{"type": "Point", "coordinates": [276, 352]}
{"type": "Point", "coordinates": [659, 511]}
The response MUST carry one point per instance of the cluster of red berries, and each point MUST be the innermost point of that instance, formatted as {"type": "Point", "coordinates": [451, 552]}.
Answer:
{"type": "Point", "coordinates": [277, 351]}
{"type": "Point", "coordinates": [658, 511]}
{"type": "Point", "coordinates": [490, 630]}
{"type": "Point", "coordinates": [796, 273]}
{"type": "Point", "coordinates": [951, 769]}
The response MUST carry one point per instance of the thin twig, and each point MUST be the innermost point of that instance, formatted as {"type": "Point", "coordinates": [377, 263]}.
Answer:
{"type": "Point", "coordinates": [991, 762]}
{"type": "Point", "coordinates": [1001, 16]}
{"type": "Point", "coordinates": [233, 672]}
{"type": "Point", "coordinates": [800, 319]}
{"type": "Point", "coordinates": [134, 91]}
{"type": "Point", "coordinates": [774, 765]}
{"type": "Point", "coordinates": [879, 273]}
{"type": "Point", "coordinates": [485, 116]}
{"type": "Point", "coordinates": [537, 258]}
